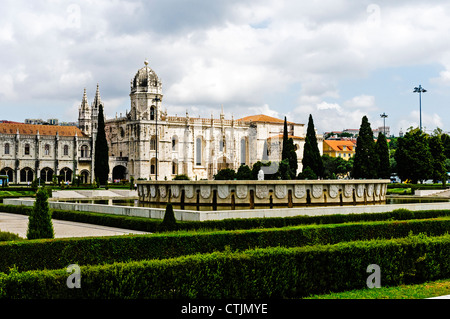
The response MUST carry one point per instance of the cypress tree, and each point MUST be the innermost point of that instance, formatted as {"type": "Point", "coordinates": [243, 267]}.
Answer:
{"type": "Point", "coordinates": [288, 153]}
{"type": "Point", "coordinates": [382, 150]}
{"type": "Point", "coordinates": [311, 154]}
{"type": "Point", "coordinates": [366, 160]}
{"type": "Point", "coordinates": [40, 220]}
{"type": "Point", "coordinates": [101, 169]}
{"type": "Point", "coordinates": [169, 222]}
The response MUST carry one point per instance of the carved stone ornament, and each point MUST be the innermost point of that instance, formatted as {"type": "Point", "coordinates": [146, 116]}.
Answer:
{"type": "Point", "coordinates": [333, 191]}
{"type": "Point", "coordinates": [360, 190]}
{"type": "Point", "coordinates": [143, 190]}
{"type": "Point", "coordinates": [223, 191]}
{"type": "Point", "coordinates": [162, 190]}
{"type": "Point", "coordinates": [241, 191]}
{"type": "Point", "coordinates": [280, 191]}
{"type": "Point", "coordinates": [153, 190]}
{"type": "Point", "coordinates": [189, 191]}
{"type": "Point", "coordinates": [317, 190]}
{"type": "Point", "coordinates": [383, 190]}
{"type": "Point", "coordinates": [262, 191]}
{"type": "Point", "coordinates": [377, 189]}
{"type": "Point", "coordinates": [205, 191]}
{"type": "Point", "coordinates": [370, 190]}
{"type": "Point", "coordinates": [299, 191]}
{"type": "Point", "coordinates": [175, 190]}
{"type": "Point", "coordinates": [348, 190]}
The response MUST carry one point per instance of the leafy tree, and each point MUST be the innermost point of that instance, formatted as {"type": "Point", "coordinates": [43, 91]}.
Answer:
{"type": "Point", "coordinates": [244, 173]}
{"type": "Point", "coordinates": [181, 177]}
{"type": "Point", "coordinates": [169, 222]}
{"type": "Point", "coordinates": [257, 166]}
{"type": "Point", "coordinates": [225, 174]}
{"type": "Point", "coordinates": [382, 151]}
{"type": "Point", "coordinates": [445, 138]}
{"type": "Point", "coordinates": [437, 158]}
{"type": "Point", "coordinates": [366, 161]}
{"type": "Point", "coordinates": [307, 173]}
{"type": "Point", "coordinates": [311, 153]}
{"type": "Point", "coordinates": [40, 219]}
{"type": "Point", "coordinates": [335, 166]}
{"type": "Point", "coordinates": [101, 169]}
{"type": "Point", "coordinates": [413, 156]}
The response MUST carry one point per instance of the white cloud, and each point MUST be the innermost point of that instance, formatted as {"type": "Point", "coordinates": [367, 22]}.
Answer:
{"type": "Point", "coordinates": [361, 101]}
{"type": "Point", "coordinates": [328, 106]}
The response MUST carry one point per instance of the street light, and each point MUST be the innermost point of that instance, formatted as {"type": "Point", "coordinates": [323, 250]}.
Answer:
{"type": "Point", "coordinates": [156, 100]}
{"type": "Point", "coordinates": [420, 90]}
{"type": "Point", "coordinates": [384, 116]}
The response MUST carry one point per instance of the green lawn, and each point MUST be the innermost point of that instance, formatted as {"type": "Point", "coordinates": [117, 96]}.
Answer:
{"type": "Point", "coordinates": [17, 193]}
{"type": "Point", "coordinates": [399, 191]}
{"type": "Point", "coordinates": [419, 291]}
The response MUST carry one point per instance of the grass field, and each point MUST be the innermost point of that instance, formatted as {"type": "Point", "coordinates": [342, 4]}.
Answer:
{"type": "Point", "coordinates": [420, 291]}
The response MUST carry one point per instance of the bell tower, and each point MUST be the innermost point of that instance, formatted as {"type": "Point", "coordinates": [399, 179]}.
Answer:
{"type": "Point", "coordinates": [146, 95]}
{"type": "Point", "coordinates": [85, 116]}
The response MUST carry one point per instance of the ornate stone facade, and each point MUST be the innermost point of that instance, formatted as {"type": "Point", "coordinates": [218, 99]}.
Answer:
{"type": "Point", "coordinates": [147, 143]}
{"type": "Point", "coordinates": [30, 151]}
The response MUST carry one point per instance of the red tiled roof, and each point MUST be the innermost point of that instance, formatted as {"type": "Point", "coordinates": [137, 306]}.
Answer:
{"type": "Point", "coordinates": [338, 145]}
{"type": "Point", "coordinates": [32, 129]}
{"type": "Point", "coordinates": [262, 118]}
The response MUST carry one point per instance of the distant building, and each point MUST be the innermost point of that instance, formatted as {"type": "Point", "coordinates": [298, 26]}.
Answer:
{"type": "Point", "coordinates": [339, 148]}
{"type": "Point", "coordinates": [29, 151]}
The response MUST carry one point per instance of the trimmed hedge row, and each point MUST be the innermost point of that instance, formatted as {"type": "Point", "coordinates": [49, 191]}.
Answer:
{"type": "Point", "coordinates": [255, 274]}
{"type": "Point", "coordinates": [28, 255]}
{"type": "Point", "coordinates": [153, 225]}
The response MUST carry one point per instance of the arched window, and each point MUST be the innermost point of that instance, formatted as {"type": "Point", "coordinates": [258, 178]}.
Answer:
{"type": "Point", "coordinates": [174, 168]}
{"type": "Point", "coordinates": [47, 149]}
{"type": "Point", "coordinates": [243, 151]}
{"type": "Point", "coordinates": [66, 150]}
{"type": "Point", "coordinates": [153, 143]}
{"type": "Point", "coordinates": [27, 149]}
{"type": "Point", "coordinates": [84, 151]}
{"type": "Point", "coordinates": [7, 149]}
{"type": "Point", "coordinates": [174, 143]}
{"type": "Point", "coordinates": [152, 113]}
{"type": "Point", "coordinates": [198, 154]}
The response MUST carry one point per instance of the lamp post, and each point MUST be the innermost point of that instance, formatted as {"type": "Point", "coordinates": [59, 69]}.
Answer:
{"type": "Point", "coordinates": [384, 116]}
{"type": "Point", "coordinates": [156, 100]}
{"type": "Point", "coordinates": [420, 90]}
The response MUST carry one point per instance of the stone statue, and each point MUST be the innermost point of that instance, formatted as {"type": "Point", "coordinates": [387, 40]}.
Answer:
{"type": "Point", "coordinates": [260, 175]}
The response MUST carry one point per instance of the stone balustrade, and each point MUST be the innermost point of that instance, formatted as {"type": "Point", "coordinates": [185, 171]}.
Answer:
{"type": "Point", "coordinates": [267, 193]}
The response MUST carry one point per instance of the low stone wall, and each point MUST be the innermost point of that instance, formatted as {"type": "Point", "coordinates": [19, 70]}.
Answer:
{"type": "Point", "coordinates": [187, 215]}
{"type": "Point", "coordinates": [252, 194]}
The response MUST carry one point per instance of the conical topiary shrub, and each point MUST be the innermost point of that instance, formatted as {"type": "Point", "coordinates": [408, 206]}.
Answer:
{"type": "Point", "coordinates": [169, 222]}
{"type": "Point", "coordinates": [40, 220]}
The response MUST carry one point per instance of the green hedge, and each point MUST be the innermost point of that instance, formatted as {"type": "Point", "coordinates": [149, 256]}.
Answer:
{"type": "Point", "coordinates": [152, 225]}
{"type": "Point", "coordinates": [96, 250]}
{"type": "Point", "coordinates": [255, 274]}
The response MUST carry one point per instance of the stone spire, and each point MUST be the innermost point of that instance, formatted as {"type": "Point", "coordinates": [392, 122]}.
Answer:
{"type": "Point", "coordinates": [84, 101]}
{"type": "Point", "coordinates": [97, 99]}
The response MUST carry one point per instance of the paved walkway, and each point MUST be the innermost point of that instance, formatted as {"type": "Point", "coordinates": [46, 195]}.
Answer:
{"type": "Point", "coordinates": [18, 224]}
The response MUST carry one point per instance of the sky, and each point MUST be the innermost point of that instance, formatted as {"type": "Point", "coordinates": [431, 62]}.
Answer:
{"type": "Point", "coordinates": [337, 60]}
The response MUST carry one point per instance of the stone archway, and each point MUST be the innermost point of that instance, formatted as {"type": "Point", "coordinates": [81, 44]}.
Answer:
{"type": "Point", "coordinates": [119, 172]}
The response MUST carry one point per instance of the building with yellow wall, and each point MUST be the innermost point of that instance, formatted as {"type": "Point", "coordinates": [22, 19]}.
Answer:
{"type": "Point", "coordinates": [339, 148]}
